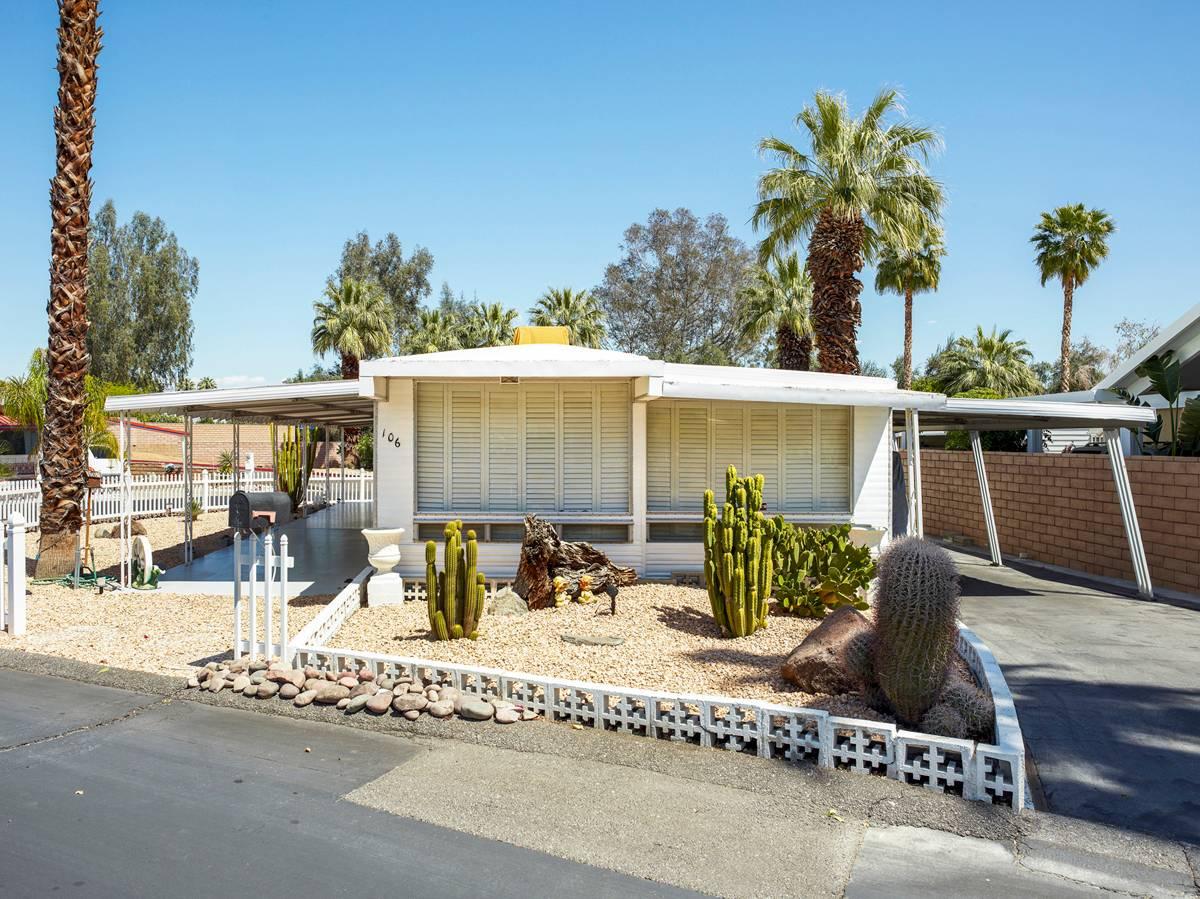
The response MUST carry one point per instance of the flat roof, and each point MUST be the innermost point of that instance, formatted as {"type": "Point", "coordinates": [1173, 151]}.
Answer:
{"type": "Point", "coordinates": [966, 414]}
{"type": "Point", "coordinates": [335, 403]}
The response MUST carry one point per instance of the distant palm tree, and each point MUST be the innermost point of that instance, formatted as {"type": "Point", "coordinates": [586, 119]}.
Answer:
{"type": "Point", "coordinates": [779, 298]}
{"type": "Point", "coordinates": [861, 184]}
{"type": "Point", "coordinates": [488, 324]}
{"type": "Point", "coordinates": [185, 383]}
{"type": "Point", "coordinates": [575, 310]}
{"type": "Point", "coordinates": [1071, 241]}
{"type": "Point", "coordinates": [435, 332]}
{"type": "Point", "coordinates": [64, 453]}
{"type": "Point", "coordinates": [206, 384]}
{"type": "Point", "coordinates": [23, 398]}
{"type": "Point", "coordinates": [354, 321]}
{"type": "Point", "coordinates": [907, 272]}
{"type": "Point", "coordinates": [985, 362]}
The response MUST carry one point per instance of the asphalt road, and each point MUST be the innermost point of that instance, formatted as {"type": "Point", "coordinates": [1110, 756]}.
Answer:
{"type": "Point", "coordinates": [107, 792]}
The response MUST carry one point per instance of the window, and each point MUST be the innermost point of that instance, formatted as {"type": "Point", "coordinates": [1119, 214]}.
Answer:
{"type": "Point", "coordinates": [532, 447]}
{"type": "Point", "coordinates": [803, 451]}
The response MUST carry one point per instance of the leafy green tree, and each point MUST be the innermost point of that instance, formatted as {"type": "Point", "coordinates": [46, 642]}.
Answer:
{"type": "Point", "coordinates": [872, 369]}
{"type": "Point", "coordinates": [779, 299]}
{"type": "Point", "coordinates": [141, 284]}
{"type": "Point", "coordinates": [992, 362]}
{"type": "Point", "coordinates": [575, 310]}
{"type": "Point", "coordinates": [906, 272]}
{"type": "Point", "coordinates": [403, 280]}
{"type": "Point", "coordinates": [436, 331]}
{"type": "Point", "coordinates": [488, 324]}
{"type": "Point", "coordinates": [185, 383]}
{"type": "Point", "coordinates": [673, 293]}
{"type": "Point", "coordinates": [317, 372]}
{"type": "Point", "coordinates": [206, 384]}
{"type": "Point", "coordinates": [1131, 336]}
{"type": "Point", "coordinates": [989, 441]}
{"type": "Point", "coordinates": [1089, 364]}
{"type": "Point", "coordinates": [23, 398]}
{"type": "Point", "coordinates": [861, 184]}
{"type": "Point", "coordinates": [1071, 242]}
{"type": "Point", "coordinates": [354, 321]}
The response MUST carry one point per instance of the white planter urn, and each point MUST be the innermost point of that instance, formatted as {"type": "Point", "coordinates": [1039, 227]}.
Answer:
{"type": "Point", "coordinates": [383, 548]}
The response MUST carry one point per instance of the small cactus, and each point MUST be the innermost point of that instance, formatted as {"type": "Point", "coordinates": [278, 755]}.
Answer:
{"type": "Point", "coordinates": [916, 612]}
{"type": "Point", "coordinates": [973, 705]}
{"type": "Point", "coordinates": [455, 595]}
{"type": "Point", "coordinates": [943, 720]}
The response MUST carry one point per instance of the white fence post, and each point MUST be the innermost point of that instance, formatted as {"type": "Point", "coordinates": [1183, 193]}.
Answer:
{"type": "Point", "coordinates": [284, 563]}
{"type": "Point", "coordinates": [268, 591]}
{"type": "Point", "coordinates": [205, 490]}
{"type": "Point", "coordinates": [14, 549]}
{"type": "Point", "coordinates": [253, 598]}
{"type": "Point", "coordinates": [237, 594]}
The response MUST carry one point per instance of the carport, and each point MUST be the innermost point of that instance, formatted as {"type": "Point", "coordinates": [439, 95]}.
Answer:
{"type": "Point", "coordinates": [328, 404]}
{"type": "Point", "coordinates": [978, 415]}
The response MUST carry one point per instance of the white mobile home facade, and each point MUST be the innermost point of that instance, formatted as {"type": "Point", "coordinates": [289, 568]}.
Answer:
{"type": "Point", "coordinates": [617, 449]}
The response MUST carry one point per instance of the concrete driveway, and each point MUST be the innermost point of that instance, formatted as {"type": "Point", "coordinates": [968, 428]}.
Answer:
{"type": "Point", "coordinates": [1107, 689]}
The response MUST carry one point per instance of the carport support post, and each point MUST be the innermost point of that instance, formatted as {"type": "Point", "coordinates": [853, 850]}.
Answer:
{"type": "Point", "coordinates": [187, 489]}
{"type": "Point", "coordinates": [912, 437]}
{"type": "Point", "coordinates": [342, 459]}
{"type": "Point", "coordinates": [125, 505]}
{"type": "Point", "coordinates": [985, 497]}
{"type": "Point", "coordinates": [237, 455]}
{"type": "Point", "coordinates": [303, 469]}
{"type": "Point", "coordinates": [1133, 533]}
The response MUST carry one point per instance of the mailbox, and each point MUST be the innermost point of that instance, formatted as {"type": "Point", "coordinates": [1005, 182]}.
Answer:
{"type": "Point", "coordinates": [255, 511]}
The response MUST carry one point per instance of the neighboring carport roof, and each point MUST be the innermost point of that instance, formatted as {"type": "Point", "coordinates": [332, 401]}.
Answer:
{"type": "Point", "coordinates": [1021, 414]}
{"type": "Point", "coordinates": [315, 402]}
{"type": "Point", "coordinates": [1182, 337]}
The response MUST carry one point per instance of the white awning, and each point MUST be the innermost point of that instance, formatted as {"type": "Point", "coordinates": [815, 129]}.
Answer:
{"type": "Point", "coordinates": [335, 403]}
{"type": "Point", "coordinates": [1022, 414]}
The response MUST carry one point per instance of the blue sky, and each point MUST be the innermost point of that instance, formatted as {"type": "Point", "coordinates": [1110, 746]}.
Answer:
{"type": "Point", "coordinates": [517, 142]}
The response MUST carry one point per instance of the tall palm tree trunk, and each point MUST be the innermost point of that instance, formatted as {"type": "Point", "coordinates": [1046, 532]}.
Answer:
{"type": "Point", "coordinates": [1065, 351]}
{"type": "Point", "coordinates": [906, 379]}
{"type": "Point", "coordinates": [64, 456]}
{"type": "Point", "coordinates": [793, 351]}
{"type": "Point", "coordinates": [349, 367]}
{"type": "Point", "coordinates": [835, 255]}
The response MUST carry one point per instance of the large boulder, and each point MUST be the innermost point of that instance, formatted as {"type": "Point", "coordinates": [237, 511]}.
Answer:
{"type": "Point", "coordinates": [828, 659]}
{"type": "Point", "coordinates": [508, 602]}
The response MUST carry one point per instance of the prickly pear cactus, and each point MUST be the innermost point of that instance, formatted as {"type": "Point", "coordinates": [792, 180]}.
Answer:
{"type": "Point", "coordinates": [455, 595]}
{"type": "Point", "coordinates": [916, 610]}
{"type": "Point", "coordinates": [738, 555]}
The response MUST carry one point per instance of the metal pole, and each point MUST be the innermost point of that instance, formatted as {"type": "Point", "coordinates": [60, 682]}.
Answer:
{"type": "Point", "coordinates": [342, 490]}
{"type": "Point", "coordinates": [985, 497]}
{"type": "Point", "coordinates": [123, 466]}
{"type": "Point", "coordinates": [303, 470]}
{"type": "Point", "coordinates": [253, 598]}
{"type": "Point", "coordinates": [909, 478]}
{"type": "Point", "coordinates": [237, 594]}
{"type": "Point", "coordinates": [1133, 533]}
{"type": "Point", "coordinates": [187, 490]}
{"type": "Point", "coordinates": [237, 455]}
{"type": "Point", "coordinates": [283, 600]}
{"type": "Point", "coordinates": [916, 457]}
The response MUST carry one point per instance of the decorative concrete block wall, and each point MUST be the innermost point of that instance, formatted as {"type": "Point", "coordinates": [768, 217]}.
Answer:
{"type": "Point", "coordinates": [1061, 509]}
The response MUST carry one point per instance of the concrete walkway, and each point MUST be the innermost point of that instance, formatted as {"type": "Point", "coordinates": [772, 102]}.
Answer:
{"type": "Point", "coordinates": [1107, 690]}
{"type": "Point", "coordinates": [192, 793]}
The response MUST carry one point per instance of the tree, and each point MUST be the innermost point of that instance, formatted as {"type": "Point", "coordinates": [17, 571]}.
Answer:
{"type": "Point", "coordinates": [1070, 241]}
{"type": "Point", "coordinates": [141, 284]}
{"type": "Point", "coordinates": [404, 281]}
{"type": "Point", "coordinates": [673, 294]}
{"type": "Point", "coordinates": [779, 298]}
{"type": "Point", "coordinates": [317, 372]}
{"type": "Point", "coordinates": [206, 384]}
{"type": "Point", "coordinates": [488, 324]}
{"type": "Point", "coordinates": [1131, 337]}
{"type": "Point", "coordinates": [23, 398]}
{"type": "Point", "coordinates": [861, 184]}
{"type": "Point", "coordinates": [872, 369]}
{"type": "Point", "coordinates": [1089, 364]}
{"type": "Point", "coordinates": [906, 272]}
{"type": "Point", "coordinates": [435, 332]}
{"type": "Point", "coordinates": [575, 310]}
{"type": "Point", "coordinates": [64, 457]}
{"type": "Point", "coordinates": [354, 321]}
{"type": "Point", "coordinates": [985, 362]}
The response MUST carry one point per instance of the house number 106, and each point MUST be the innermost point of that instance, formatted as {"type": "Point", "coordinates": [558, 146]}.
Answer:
{"type": "Point", "coordinates": [389, 437]}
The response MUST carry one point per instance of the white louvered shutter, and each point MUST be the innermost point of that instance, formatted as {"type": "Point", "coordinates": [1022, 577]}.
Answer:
{"type": "Point", "coordinates": [691, 455]}
{"type": "Point", "coordinates": [798, 468]}
{"type": "Point", "coordinates": [466, 448]}
{"type": "Point", "coordinates": [431, 447]}
{"type": "Point", "coordinates": [729, 444]}
{"type": "Point", "coordinates": [614, 447]}
{"type": "Point", "coordinates": [578, 449]}
{"type": "Point", "coordinates": [659, 496]}
{"type": "Point", "coordinates": [503, 445]}
{"type": "Point", "coordinates": [764, 452]}
{"type": "Point", "coordinates": [833, 459]}
{"type": "Point", "coordinates": [541, 449]}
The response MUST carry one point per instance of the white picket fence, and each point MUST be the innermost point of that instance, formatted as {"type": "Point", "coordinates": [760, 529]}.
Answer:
{"type": "Point", "coordinates": [163, 494]}
{"type": "Point", "coordinates": [12, 574]}
{"type": "Point", "coordinates": [262, 568]}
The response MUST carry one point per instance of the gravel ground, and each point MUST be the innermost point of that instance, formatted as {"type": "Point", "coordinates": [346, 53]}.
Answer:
{"type": "Point", "coordinates": [162, 633]}
{"type": "Point", "coordinates": [671, 643]}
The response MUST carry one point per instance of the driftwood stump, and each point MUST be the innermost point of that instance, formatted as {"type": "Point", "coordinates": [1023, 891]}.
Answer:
{"type": "Point", "coordinates": [544, 557]}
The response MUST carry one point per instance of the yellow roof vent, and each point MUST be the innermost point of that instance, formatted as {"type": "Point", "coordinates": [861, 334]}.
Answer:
{"type": "Point", "coordinates": [541, 334]}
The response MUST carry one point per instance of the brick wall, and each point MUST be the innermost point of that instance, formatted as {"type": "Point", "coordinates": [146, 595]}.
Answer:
{"type": "Point", "coordinates": [1062, 509]}
{"type": "Point", "coordinates": [152, 448]}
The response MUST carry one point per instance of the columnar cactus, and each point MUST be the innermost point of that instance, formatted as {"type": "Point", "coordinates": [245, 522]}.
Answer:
{"type": "Point", "coordinates": [738, 555]}
{"type": "Point", "coordinates": [455, 595]}
{"type": "Point", "coordinates": [916, 610]}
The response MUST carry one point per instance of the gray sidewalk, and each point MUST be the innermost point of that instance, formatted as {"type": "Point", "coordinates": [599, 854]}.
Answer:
{"type": "Point", "coordinates": [1107, 690]}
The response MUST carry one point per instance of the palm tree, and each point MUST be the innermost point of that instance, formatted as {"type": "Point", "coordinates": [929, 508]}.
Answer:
{"type": "Point", "coordinates": [1070, 241]}
{"type": "Point", "coordinates": [907, 272]}
{"type": "Point", "coordinates": [779, 298]}
{"type": "Point", "coordinates": [985, 362]}
{"type": "Point", "coordinates": [355, 321]}
{"type": "Point", "coordinates": [863, 184]}
{"type": "Point", "coordinates": [435, 332]}
{"type": "Point", "coordinates": [206, 384]}
{"type": "Point", "coordinates": [575, 310]}
{"type": "Point", "coordinates": [488, 324]}
{"type": "Point", "coordinates": [23, 398]}
{"type": "Point", "coordinates": [64, 458]}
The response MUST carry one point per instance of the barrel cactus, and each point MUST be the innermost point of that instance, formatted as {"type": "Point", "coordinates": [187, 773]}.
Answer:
{"type": "Point", "coordinates": [455, 595]}
{"type": "Point", "coordinates": [916, 611]}
{"type": "Point", "coordinates": [738, 555]}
